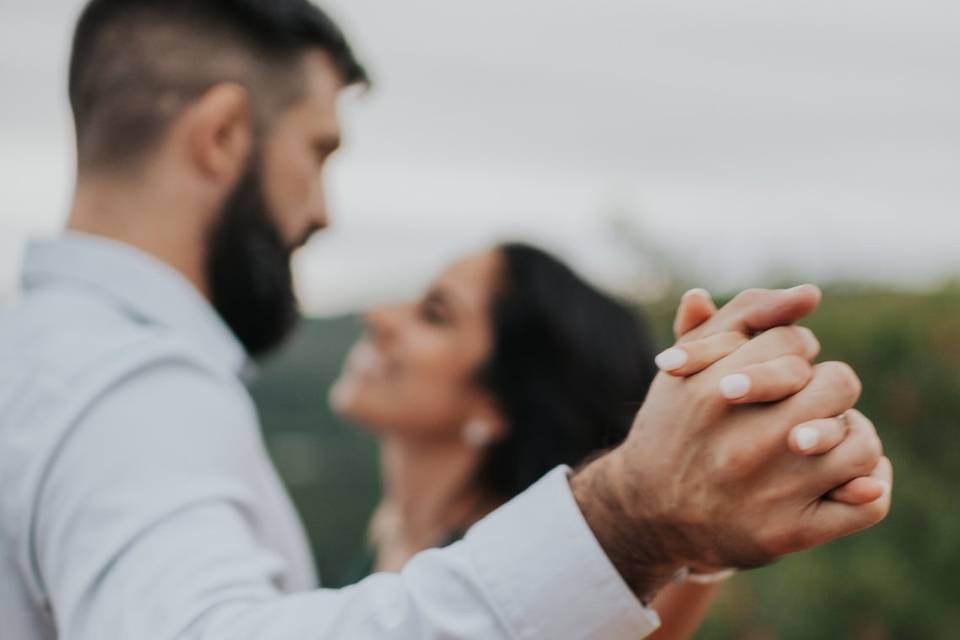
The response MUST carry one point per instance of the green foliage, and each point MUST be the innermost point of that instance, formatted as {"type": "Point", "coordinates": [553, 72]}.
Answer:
{"type": "Point", "coordinates": [898, 580]}
{"type": "Point", "coordinates": [330, 467]}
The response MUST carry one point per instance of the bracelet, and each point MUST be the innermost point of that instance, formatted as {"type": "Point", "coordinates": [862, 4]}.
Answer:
{"type": "Point", "coordinates": [709, 578]}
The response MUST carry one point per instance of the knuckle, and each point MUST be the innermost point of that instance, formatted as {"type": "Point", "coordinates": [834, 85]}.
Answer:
{"type": "Point", "coordinates": [863, 423]}
{"type": "Point", "coordinates": [862, 428]}
{"type": "Point", "coordinates": [854, 416]}
{"type": "Point", "coordinates": [863, 464]}
{"type": "Point", "coordinates": [739, 460]}
{"type": "Point", "coordinates": [842, 428]}
{"type": "Point", "coordinates": [748, 297]}
{"type": "Point", "coordinates": [732, 462]}
{"type": "Point", "coordinates": [797, 368]}
{"type": "Point", "coordinates": [842, 379]}
{"type": "Point", "coordinates": [811, 343]}
{"type": "Point", "coordinates": [795, 340]}
{"type": "Point", "coordinates": [791, 339]}
{"type": "Point", "coordinates": [866, 455]}
{"type": "Point", "coordinates": [768, 547]}
{"type": "Point", "coordinates": [782, 341]}
{"type": "Point", "coordinates": [873, 513]}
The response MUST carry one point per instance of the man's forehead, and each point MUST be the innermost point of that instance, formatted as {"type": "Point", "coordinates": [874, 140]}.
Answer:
{"type": "Point", "coordinates": [322, 78]}
{"type": "Point", "coordinates": [323, 86]}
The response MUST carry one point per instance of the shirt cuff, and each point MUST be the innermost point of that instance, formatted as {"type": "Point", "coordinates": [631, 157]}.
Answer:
{"type": "Point", "coordinates": [546, 573]}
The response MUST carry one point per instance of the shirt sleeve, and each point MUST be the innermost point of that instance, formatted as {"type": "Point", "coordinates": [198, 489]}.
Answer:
{"type": "Point", "coordinates": [148, 527]}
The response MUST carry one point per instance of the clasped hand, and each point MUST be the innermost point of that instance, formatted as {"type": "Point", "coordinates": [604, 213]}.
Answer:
{"type": "Point", "coordinates": [743, 451]}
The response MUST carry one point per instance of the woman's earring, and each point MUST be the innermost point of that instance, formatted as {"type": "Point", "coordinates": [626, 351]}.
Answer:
{"type": "Point", "coordinates": [476, 434]}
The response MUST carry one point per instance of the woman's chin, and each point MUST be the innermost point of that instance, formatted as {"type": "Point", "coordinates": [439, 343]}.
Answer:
{"type": "Point", "coordinates": [342, 396]}
{"type": "Point", "coordinates": [346, 398]}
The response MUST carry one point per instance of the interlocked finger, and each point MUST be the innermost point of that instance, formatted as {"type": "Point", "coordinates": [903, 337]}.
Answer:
{"type": "Point", "coordinates": [768, 381]}
{"type": "Point", "coordinates": [817, 437]}
{"type": "Point", "coordinates": [693, 357]}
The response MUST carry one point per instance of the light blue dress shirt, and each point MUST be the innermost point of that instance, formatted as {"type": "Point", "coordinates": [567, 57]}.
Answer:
{"type": "Point", "coordinates": [137, 500]}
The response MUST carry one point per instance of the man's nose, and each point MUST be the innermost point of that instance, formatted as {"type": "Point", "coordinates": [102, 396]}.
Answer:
{"type": "Point", "coordinates": [317, 220]}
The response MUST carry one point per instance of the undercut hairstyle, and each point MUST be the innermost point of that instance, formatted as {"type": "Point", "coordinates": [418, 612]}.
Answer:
{"type": "Point", "coordinates": [136, 64]}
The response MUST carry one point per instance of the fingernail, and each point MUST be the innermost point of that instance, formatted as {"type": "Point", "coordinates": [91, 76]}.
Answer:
{"type": "Point", "coordinates": [735, 386]}
{"type": "Point", "coordinates": [671, 359]}
{"type": "Point", "coordinates": [806, 438]}
{"type": "Point", "coordinates": [697, 292]}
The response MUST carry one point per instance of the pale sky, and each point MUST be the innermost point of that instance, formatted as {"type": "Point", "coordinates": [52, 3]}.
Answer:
{"type": "Point", "coordinates": [746, 140]}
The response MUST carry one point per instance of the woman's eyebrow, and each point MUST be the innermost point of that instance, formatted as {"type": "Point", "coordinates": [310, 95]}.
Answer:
{"type": "Point", "coordinates": [448, 298]}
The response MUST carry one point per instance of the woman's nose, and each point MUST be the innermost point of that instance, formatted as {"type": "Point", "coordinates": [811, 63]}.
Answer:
{"type": "Point", "coordinates": [380, 323]}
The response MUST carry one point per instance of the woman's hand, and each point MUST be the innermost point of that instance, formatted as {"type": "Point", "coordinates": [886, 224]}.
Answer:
{"type": "Point", "coordinates": [783, 360]}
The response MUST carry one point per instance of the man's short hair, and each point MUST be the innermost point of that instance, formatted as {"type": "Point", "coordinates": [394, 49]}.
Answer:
{"type": "Point", "coordinates": [137, 63]}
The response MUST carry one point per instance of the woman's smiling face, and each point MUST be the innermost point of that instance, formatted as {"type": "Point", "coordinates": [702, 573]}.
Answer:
{"type": "Point", "coordinates": [413, 373]}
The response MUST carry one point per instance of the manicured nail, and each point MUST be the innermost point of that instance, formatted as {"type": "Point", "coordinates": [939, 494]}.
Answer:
{"type": "Point", "coordinates": [735, 386]}
{"type": "Point", "coordinates": [697, 292]}
{"type": "Point", "coordinates": [671, 359]}
{"type": "Point", "coordinates": [806, 438]}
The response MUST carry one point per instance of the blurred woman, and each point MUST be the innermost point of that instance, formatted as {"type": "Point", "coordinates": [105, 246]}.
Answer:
{"type": "Point", "coordinates": [508, 366]}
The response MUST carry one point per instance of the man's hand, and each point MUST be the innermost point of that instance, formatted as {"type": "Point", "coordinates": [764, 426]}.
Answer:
{"type": "Point", "coordinates": [703, 482]}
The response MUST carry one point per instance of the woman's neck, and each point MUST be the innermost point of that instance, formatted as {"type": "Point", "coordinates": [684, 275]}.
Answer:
{"type": "Point", "coordinates": [429, 491]}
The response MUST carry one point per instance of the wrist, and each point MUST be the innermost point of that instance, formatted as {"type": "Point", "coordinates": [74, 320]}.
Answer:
{"type": "Point", "coordinates": [628, 537]}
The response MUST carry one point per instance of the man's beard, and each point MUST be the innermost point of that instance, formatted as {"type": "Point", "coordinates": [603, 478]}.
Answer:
{"type": "Point", "coordinates": [248, 270]}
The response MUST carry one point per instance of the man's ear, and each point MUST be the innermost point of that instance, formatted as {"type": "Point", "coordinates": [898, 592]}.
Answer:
{"type": "Point", "coordinates": [219, 130]}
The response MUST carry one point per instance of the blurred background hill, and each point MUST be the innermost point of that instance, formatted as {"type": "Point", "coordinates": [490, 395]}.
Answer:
{"type": "Point", "coordinates": [899, 580]}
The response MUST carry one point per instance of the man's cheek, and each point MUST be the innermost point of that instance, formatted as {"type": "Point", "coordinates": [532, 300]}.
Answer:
{"type": "Point", "coordinates": [291, 199]}
{"type": "Point", "coordinates": [300, 187]}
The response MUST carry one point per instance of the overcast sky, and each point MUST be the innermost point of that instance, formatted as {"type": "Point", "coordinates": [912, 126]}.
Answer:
{"type": "Point", "coordinates": [747, 140]}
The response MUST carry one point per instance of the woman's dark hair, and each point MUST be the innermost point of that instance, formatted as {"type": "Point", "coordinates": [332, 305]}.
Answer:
{"type": "Point", "coordinates": [569, 368]}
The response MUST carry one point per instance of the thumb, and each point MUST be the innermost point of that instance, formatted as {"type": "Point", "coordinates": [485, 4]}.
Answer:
{"type": "Point", "coordinates": [696, 307]}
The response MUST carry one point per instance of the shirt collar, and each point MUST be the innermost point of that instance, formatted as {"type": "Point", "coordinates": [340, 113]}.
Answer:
{"type": "Point", "coordinates": [145, 288]}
